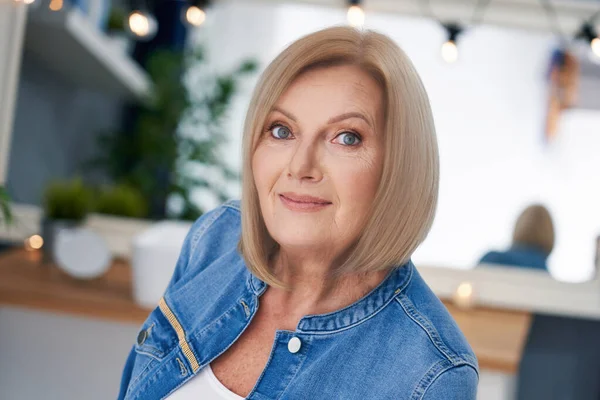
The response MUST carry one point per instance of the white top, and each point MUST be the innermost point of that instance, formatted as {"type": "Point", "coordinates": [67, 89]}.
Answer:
{"type": "Point", "coordinates": [204, 386]}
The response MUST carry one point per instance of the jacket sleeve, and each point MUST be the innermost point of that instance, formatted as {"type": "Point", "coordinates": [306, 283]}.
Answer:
{"type": "Point", "coordinates": [456, 383]}
{"type": "Point", "coordinates": [126, 374]}
{"type": "Point", "coordinates": [187, 251]}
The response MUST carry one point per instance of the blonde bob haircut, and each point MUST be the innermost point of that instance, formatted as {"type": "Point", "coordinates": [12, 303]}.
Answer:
{"type": "Point", "coordinates": [406, 199]}
{"type": "Point", "coordinates": [534, 227]}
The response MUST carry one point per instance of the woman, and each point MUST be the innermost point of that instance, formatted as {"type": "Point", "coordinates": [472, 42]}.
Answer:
{"type": "Point", "coordinates": [533, 241]}
{"type": "Point", "coordinates": [319, 299]}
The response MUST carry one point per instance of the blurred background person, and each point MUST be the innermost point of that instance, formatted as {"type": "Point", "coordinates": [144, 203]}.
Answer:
{"type": "Point", "coordinates": [532, 243]}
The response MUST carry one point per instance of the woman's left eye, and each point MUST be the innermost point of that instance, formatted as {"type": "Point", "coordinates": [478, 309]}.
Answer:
{"type": "Point", "coordinates": [348, 138]}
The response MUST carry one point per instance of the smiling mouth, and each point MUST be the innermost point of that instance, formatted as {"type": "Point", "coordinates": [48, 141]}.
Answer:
{"type": "Point", "coordinates": [303, 205]}
{"type": "Point", "coordinates": [306, 201]}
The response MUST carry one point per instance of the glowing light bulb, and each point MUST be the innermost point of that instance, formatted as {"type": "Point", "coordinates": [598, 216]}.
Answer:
{"type": "Point", "coordinates": [142, 25]}
{"type": "Point", "coordinates": [450, 52]}
{"type": "Point", "coordinates": [138, 23]}
{"type": "Point", "coordinates": [195, 16]}
{"type": "Point", "coordinates": [36, 242]}
{"type": "Point", "coordinates": [595, 45]}
{"type": "Point", "coordinates": [356, 16]}
{"type": "Point", "coordinates": [56, 5]}
{"type": "Point", "coordinates": [464, 296]}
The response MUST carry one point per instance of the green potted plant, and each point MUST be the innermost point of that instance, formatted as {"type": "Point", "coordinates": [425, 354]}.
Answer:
{"type": "Point", "coordinates": [121, 200]}
{"type": "Point", "coordinates": [154, 155]}
{"type": "Point", "coordinates": [66, 204]}
{"type": "Point", "coordinates": [5, 211]}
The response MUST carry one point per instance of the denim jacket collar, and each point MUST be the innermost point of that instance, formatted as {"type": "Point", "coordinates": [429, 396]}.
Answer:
{"type": "Point", "coordinates": [395, 282]}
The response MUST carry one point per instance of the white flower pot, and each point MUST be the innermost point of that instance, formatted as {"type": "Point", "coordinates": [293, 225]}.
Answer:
{"type": "Point", "coordinates": [155, 254]}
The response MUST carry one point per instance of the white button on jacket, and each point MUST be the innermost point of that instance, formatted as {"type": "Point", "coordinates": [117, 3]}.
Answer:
{"type": "Point", "coordinates": [294, 345]}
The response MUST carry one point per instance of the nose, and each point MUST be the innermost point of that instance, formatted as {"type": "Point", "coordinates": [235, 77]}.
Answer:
{"type": "Point", "coordinates": [305, 163]}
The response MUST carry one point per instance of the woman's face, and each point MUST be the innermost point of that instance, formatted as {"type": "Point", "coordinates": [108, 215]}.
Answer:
{"type": "Point", "coordinates": [319, 160]}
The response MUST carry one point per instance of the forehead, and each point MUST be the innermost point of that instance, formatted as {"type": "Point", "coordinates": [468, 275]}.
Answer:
{"type": "Point", "coordinates": [335, 89]}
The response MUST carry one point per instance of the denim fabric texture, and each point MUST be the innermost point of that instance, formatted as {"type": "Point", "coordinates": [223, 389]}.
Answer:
{"type": "Point", "coordinates": [398, 342]}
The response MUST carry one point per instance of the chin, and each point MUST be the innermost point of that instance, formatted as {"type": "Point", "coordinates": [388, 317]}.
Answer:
{"type": "Point", "coordinates": [299, 239]}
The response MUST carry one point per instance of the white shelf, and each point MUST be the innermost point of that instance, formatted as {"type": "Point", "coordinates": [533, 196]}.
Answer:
{"type": "Point", "coordinates": [519, 289]}
{"type": "Point", "coordinates": [67, 43]}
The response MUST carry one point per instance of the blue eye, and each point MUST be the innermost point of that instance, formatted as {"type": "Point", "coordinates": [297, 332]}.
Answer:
{"type": "Point", "coordinates": [349, 138]}
{"type": "Point", "coordinates": [280, 132]}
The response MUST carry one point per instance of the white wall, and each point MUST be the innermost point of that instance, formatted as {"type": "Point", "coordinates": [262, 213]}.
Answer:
{"type": "Point", "coordinates": [489, 110]}
{"type": "Point", "coordinates": [12, 25]}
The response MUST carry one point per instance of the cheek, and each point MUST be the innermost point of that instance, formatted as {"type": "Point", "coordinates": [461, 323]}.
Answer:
{"type": "Point", "coordinates": [266, 168]}
{"type": "Point", "coordinates": [357, 182]}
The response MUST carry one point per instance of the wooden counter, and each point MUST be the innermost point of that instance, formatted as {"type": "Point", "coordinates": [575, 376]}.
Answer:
{"type": "Point", "coordinates": [497, 336]}
{"type": "Point", "coordinates": [26, 282]}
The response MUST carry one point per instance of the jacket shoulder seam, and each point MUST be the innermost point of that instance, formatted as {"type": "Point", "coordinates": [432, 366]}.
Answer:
{"type": "Point", "coordinates": [410, 310]}
{"type": "Point", "coordinates": [204, 226]}
{"type": "Point", "coordinates": [437, 370]}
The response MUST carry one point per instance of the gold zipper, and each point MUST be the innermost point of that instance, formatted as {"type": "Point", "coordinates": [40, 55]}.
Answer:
{"type": "Point", "coordinates": [187, 351]}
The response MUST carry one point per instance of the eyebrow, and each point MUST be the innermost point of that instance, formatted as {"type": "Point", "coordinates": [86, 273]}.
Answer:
{"type": "Point", "coordinates": [332, 120]}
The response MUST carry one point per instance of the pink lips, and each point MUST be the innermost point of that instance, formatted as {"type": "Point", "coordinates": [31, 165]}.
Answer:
{"type": "Point", "coordinates": [298, 202]}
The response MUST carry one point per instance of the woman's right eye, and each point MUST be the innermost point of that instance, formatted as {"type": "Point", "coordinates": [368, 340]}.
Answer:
{"type": "Point", "coordinates": [280, 132]}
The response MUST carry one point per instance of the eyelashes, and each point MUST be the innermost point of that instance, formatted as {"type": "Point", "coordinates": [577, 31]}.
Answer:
{"type": "Point", "coordinates": [354, 138]}
{"type": "Point", "coordinates": [350, 137]}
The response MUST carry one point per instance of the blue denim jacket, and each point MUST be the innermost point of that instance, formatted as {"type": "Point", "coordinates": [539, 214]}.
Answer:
{"type": "Point", "coordinates": [398, 342]}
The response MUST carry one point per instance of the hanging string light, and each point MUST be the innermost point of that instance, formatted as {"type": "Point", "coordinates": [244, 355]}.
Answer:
{"type": "Point", "coordinates": [56, 5]}
{"type": "Point", "coordinates": [449, 48]}
{"type": "Point", "coordinates": [142, 24]}
{"type": "Point", "coordinates": [356, 15]}
{"type": "Point", "coordinates": [588, 33]}
{"type": "Point", "coordinates": [595, 45]}
{"type": "Point", "coordinates": [596, 41]}
{"type": "Point", "coordinates": [195, 14]}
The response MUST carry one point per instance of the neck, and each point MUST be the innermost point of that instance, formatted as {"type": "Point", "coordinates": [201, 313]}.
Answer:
{"type": "Point", "coordinates": [313, 289]}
